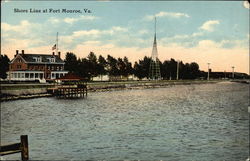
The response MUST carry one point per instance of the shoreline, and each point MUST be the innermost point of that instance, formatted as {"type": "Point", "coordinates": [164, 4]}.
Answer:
{"type": "Point", "coordinates": [96, 87]}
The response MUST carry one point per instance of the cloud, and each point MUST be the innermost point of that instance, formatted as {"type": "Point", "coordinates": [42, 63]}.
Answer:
{"type": "Point", "coordinates": [246, 4]}
{"type": "Point", "coordinates": [18, 28]}
{"type": "Point", "coordinates": [209, 25]}
{"type": "Point", "coordinates": [53, 20]}
{"type": "Point", "coordinates": [73, 20]}
{"type": "Point", "coordinates": [167, 14]}
{"type": "Point", "coordinates": [95, 32]}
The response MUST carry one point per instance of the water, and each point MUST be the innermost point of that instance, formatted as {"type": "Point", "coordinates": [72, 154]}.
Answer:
{"type": "Point", "coordinates": [183, 122]}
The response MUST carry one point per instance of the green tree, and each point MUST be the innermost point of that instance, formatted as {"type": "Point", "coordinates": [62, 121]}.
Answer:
{"type": "Point", "coordinates": [112, 66]}
{"type": "Point", "coordinates": [101, 66]}
{"type": "Point", "coordinates": [194, 70]}
{"type": "Point", "coordinates": [141, 69]}
{"type": "Point", "coordinates": [128, 67]}
{"type": "Point", "coordinates": [4, 66]}
{"type": "Point", "coordinates": [84, 68]}
{"type": "Point", "coordinates": [92, 64]}
{"type": "Point", "coordinates": [71, 63]}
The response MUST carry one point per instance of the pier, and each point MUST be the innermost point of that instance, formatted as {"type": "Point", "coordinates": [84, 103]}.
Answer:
{"type": "Point", "coordinates": [72, 86]}
{"type": "Point", "coordinates": [70, 92]}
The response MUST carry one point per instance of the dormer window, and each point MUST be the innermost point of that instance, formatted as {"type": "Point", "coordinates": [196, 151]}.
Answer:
{"type": "Point", "coordinates": [35, 58]}
{"type": "Point", "coordinates": [52, 60]}
{"type": "Point", "coordinates": [39, 59]}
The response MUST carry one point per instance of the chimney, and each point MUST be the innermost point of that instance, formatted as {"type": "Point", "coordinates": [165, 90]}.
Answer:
{"type": "Point", "coordinates": [59, 54]}
{"type": "Point", "coordinates": [53, 53]}
{"type": "Point", "coordinates": [22, 52]}
{"type": "Point", "coordinates": [16, 53]}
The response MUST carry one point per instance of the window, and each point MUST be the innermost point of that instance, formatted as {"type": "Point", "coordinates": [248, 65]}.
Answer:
{"type": "Point", "coordinates": [52, 60]}
{"type": "Point", "coordinates": [19, 66]}
{"type": "Point", "coordinates": [19, 60]}
{"type": "Point", "coordinates": [39, 59]}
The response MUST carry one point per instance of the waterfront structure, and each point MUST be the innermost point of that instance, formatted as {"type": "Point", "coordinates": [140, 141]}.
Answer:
{"type": "Point", "coordinates": [154, 69]}
{"type": "Point", "coordinates": [31, 67]}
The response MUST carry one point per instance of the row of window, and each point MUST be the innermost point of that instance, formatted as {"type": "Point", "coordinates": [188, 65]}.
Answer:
{"type": "Point", "coordinates": [39, 67]}
{"type": "Point", "coordinates": [36, 75]}
{"type": "Point", "coordinates": [48, 67]}
{"type": "Point", "coordinates": [39, 59]}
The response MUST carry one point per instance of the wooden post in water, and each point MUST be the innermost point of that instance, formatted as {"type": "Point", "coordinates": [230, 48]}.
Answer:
{"type": "Point", "coordinates": [24, 147]}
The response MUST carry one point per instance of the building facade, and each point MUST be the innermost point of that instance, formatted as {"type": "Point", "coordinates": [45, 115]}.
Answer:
{"type": "Point", "coordinates": [31, 67]}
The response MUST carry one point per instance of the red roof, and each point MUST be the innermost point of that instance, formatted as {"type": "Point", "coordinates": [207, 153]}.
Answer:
{"type": "Point", "coordinates": [71, 76]}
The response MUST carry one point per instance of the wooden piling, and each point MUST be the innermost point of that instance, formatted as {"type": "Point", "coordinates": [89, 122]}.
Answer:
{"type": "Point", "coordinates": [24, 147]}
{"type": "Point", "coordinates": [17, 148]}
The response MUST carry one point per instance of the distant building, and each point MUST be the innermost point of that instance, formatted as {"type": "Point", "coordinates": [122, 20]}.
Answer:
{"type": "Point", "coordinates": [31, 67]}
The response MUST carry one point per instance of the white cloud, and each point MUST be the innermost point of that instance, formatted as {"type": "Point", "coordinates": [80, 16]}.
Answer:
{"type": "Point", "coordinates": [73, 20]}
{"type": "Point", "coordinates": [246, 4]}
{"type": "Point", "coordinates": [86, 33]}
{"type": "Point", "coordinates": [95, 32]}
{"type": "Point", "coordinates": [18, 28]}
{"type": "Point", "coordinates": [53, 20]}
{"type": "Point", "coordinates": [167, 14]}
{"type": "Point", "coordinates": [209, 25]}
{"type": "Point", "coordinates": [206, 44]}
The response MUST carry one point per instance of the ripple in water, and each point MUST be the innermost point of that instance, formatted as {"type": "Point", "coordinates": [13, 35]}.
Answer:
{"type": "Point", "coordinates": [183, 122]}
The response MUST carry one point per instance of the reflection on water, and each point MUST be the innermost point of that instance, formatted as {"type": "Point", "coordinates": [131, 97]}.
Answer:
{"type": "Point", "coordinates": [183, 122]}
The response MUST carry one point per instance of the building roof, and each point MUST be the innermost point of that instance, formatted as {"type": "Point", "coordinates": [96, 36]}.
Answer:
{"type": "Point", "coordinates": [71, 77]}
{"type": "Point", "coordinates": [45, 58]}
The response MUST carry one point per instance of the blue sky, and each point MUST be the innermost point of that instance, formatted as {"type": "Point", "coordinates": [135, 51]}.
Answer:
{"type": "Point", "coordinates": [205, 31]}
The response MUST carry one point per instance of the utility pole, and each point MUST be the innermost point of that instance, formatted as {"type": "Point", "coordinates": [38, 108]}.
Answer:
{"type": "Point", "coordinates": [177, 73]}
{"type": "Point", "coordinates": [208, 71]}
{"type": "Point", "coordinates": [233, 72]}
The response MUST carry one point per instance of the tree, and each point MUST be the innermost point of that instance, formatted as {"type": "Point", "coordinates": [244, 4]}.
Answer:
{"type": "Point", "coordinates": [141, 69]}
{"type": "Point", "coordinates": [112, 66]}
{"type": "Point", "coordinates": [121, 67]}
{"type": "Point", "coordinates": [128, 67]}
{"type": "Point", "coordinates": [101, 66]}
{"type": "Point", "coordinates": [194, 70]}
{"type": "Point", "coordinates": [84, 68]}
{"type": "Point", "coordinates": [71, 63]}
{"type": "Point", "coordinates": [4, 66]}
{"type": "Point", "coordinates": [92, 64]}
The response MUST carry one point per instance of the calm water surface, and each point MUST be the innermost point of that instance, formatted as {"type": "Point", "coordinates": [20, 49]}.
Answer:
{"type": "Point", "coordinates": [183, 122]}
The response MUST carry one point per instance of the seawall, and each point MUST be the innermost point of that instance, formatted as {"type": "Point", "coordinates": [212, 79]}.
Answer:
{"type": "Point", "coordinates": [26, 91]}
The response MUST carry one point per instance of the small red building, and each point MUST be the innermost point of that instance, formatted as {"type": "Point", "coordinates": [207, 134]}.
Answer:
{"type": "Point", "coordinates": [27, 67]}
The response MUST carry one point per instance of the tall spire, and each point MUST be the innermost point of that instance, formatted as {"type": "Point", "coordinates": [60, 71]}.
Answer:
{"type": "Point", "coordinates": [154, 69]}
{"type": "Point", "coordinates": [155, 32]}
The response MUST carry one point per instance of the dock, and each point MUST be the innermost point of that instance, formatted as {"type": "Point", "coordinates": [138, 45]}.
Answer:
{"type": "Point", "coordinates": [70, 92]}
{"type": "Point", "coordinates": [71, 86]}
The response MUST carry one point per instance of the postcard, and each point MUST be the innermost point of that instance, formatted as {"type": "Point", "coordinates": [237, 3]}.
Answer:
{"type": "Point", "coordinates": [124, 80]}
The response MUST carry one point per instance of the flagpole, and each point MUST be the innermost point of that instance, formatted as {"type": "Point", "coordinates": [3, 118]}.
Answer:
{"type": "Point", "coordinates": [57, 43]}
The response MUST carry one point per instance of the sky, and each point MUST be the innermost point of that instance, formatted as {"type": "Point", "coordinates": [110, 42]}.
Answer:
{"type": "Point", "coordinates": [215, 32]}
